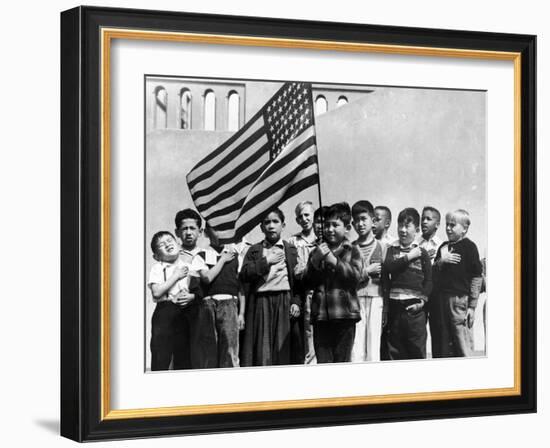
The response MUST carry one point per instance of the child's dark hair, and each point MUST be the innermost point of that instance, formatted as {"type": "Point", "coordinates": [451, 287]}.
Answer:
{"type": "Point", "coordinates": [320, 213]}
{"type": "Point", "coordinates": [385, 210]}
{"type": "Point", "coordinates": [157, 236]}
{"type": "Point", "coordinates": [187, 213]}
{"type": "Point", "coordinates": [407, 215]}
{"type": "Point", "coordinates": [435, 211]}
{"type": "Point", "coordinates": [362, 207]}
{"type": "Point", "coordinates": [277, 211]}
{"type": "Point", "coordinates": [340, 211]}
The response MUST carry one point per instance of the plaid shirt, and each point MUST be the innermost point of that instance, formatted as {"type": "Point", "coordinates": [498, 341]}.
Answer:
{"type": "Point", "coordinates": [335, 288]}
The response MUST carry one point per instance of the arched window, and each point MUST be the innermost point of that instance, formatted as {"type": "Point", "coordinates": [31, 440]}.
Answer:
{"type": "Point", "coordinates": [321, 105]}
{"type": "Point", "coordinates": [185, 109]}
{"type": "Point", "coordinates": [209, 110]}
{"type": "Point", "coordinates": [342, 101]}
{"type": "Point", "coordinates": [161, 101]}
{"type": "Point", "coordinates": [233, 101]}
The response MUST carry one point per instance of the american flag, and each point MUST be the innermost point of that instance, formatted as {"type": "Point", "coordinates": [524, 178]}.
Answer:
{"type": "Point", "coordinates": [270, 159]}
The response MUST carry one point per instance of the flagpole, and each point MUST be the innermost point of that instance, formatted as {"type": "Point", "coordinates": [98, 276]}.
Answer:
{"type": "Point", "coordinates": [318, 164]}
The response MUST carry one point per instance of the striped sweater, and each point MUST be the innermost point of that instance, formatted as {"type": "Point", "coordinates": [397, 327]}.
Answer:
{"type": "Point", "coordinates": [401, 277]}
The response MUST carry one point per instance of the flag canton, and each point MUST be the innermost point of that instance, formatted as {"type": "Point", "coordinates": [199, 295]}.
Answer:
{"type": "Point", "coordinates": [288, 114]}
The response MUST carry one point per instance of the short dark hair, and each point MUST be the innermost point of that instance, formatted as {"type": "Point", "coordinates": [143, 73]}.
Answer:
{"type": "Point", "coordinates": [429, 208]}
{"type": "Point", "coordinates": [362, 207]}
{"type": "Point", "coordinates": [340, 211]}
{"type": "Point", "coordinates": [320, 213]}
{"type": "Point", "coordinates": [277, 211]}
{"type": "Point", "coordinates": [407, 215]}
{"type": "Point", "coordinates": [187, 213]}
{"type": "Point", "coordinates": [157, 236]}
{"type": "Point", "coordinates": [385, 209]}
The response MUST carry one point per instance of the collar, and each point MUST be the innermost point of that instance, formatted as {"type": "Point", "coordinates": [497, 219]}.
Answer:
{"type": "Point", "coordinates": [369, 241]}
{"type": "Point", "coordinates": [166, 264]}
{"type": "Point", "coordinates": [410, 246]}
{"type": "Point", "coordinates": [434, 239]}
{"type": "Point", "coordinates": [191, 252]}
{"type": "Point", "coordinates": [344, 245]}
{"type": "Point", "coordinates": [267, 245]}
{"type": "Point", "coordinates": [310, 240]}
{"type": "Point", "coordinates": [452, 243]}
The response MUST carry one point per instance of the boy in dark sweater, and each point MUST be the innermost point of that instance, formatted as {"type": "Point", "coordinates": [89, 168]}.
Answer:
{"type": "Point", "coordinates": [407, 283]}
{"type": "Point", "coordinates": [220, 314]}
{"type": "Point", "coordinates": [458, 280]}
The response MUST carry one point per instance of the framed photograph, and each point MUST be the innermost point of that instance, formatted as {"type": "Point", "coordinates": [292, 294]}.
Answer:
{"type": "Point", "coordinates": [277, 224]}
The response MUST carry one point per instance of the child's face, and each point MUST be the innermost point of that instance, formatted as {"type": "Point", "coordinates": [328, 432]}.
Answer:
{"type": "Point", "coordinates": [363, 224]}
{"type": "Point", "coordinates": [167, 249]}
{"type": "Point", "coordinates": [318, 228]}
{"type": "Point", "coordinates": [455, 230]}
{"type": "Point", "coordinates": [188, 232]}
{"type": "Point", "coordinates": [380, 223]}
{"type": "Point", "coordinates": [407, 232]}
{"type": "Point", "coordinates": [304, 218]}
{"type": "Point", "coordinates": [429, 223]}
{"type": "Point", "coordinates": [212, 236]}
{"type": "Point", "coordinates": [335, 231]}
{"type": "Point", "coordinates": [272, 227]}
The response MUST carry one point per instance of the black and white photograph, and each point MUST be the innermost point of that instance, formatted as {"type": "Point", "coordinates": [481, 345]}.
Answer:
{"type": "Point", "coordinates": [274, 223]}
{"type": "Point", "coordinates": [303, 223]}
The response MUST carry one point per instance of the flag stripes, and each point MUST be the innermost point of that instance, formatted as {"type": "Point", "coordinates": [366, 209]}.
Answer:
{"type": "Point", "coordinates": [225, 151]}
{"type": "Point", "coordinates": [272, 158]}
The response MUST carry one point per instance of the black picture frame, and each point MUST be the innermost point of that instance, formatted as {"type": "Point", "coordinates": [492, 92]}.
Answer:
{"type": "Point", "coordinates": [82, 214]}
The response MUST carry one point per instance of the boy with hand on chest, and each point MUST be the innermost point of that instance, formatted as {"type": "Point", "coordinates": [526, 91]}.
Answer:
{"type": "Point", "coordinates": [268, 268]}
{"type": "Point", "coordinates": [333, 272]}
{"type": "Point", "coordinates": [407, 283]}
{"type": "Point", "coordinates": [458, 280]}
{"type": "Point", "coordinates": [174, 284]}
{"type": "Point", "coordinates": [429, 223]}
{"type": "Point", "coordinates": [188, 229]}
{"type": "Point", "coordinates": [220, 314]}
{"type": "Point", "coordinates": [368, 331]}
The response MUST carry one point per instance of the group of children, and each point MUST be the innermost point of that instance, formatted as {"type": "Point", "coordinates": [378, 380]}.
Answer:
{"type": "Point", "coordinates": [318, 297]}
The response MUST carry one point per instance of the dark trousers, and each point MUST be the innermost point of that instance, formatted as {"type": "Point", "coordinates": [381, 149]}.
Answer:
{"type": "Point", "coordinates": [407, 335]}
{"type": "Point", "coordinates": [333, 340]}
{"type": "Point", "coordinates": [170, 336]}
{"type": "Point", "coordinates": [297, 349]}
{"type": "Point", "coordinates": [271, 329]}
{"type": "Point", "coordinates": [215, 339]}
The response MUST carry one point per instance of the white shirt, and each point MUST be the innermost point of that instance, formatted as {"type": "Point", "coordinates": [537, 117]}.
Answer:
{"type": "Point", "coordinates": [161, 271]}
{"type": "Point", "coordinates": [304, 247]}
{"type": "Point", "coordinates": [277, 277]}
{"type": "Point", "coordinates": [432, 244]}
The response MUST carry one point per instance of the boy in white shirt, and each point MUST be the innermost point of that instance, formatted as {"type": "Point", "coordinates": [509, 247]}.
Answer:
{"type": "Point", "coordinates": [174, 284]}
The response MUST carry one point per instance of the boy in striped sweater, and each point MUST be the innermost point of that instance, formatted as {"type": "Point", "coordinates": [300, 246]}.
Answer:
{"type": "Point", "coordinates": [407, 283]}
{"type": "Point", "coordinates": [368, 331]}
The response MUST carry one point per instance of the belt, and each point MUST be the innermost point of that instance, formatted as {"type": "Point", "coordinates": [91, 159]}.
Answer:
{"type": "Point", "coordinates": [220, 297]}
{"type": "Point", "coordinates": [404, 303]}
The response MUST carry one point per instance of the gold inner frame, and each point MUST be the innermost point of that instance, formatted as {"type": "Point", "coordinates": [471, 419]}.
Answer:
{"type": "Point", "coordinates": [107, 35]}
